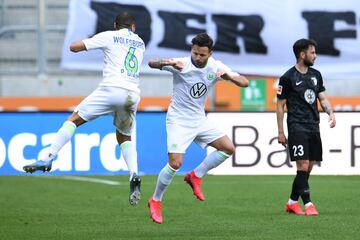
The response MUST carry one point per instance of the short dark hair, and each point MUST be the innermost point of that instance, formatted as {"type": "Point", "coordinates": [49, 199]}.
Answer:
{"type": "Point", "coordinates": [124, 20]}
{"type": "Point", "coordinates": [302, 45]}
{"type": "Point", "coordinates": [203, 40]}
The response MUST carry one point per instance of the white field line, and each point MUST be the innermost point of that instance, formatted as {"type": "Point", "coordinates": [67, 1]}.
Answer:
{"type": "Point", "coordinates": [88, 179]}
{"type": "Point", "coordinates": [93, 180]}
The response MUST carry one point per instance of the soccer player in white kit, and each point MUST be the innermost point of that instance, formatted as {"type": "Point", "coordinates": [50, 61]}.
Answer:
{"type": "Point", "coordinates": [118, 94]}
{"type": "Point", "coordinates": [193, 77]}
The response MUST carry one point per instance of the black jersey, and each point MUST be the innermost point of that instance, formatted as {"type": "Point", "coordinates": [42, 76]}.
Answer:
{"type": "Point", "coordinates": [301, 93]}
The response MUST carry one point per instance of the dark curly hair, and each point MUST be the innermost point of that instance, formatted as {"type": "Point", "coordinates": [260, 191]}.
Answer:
{"type": "Point", "coordinates": [203, 40]}
{"type": "Point", "coordinates": [302, 45]}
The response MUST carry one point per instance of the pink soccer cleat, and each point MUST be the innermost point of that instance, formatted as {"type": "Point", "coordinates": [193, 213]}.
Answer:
{"type": "Point", "coordinates": [195, 183]}
{"type": "Point", "coordinates": [311, 211]}
{"type": "Point", "coordinates": [155, 210]}
{"type": "Point", "coordinates": [294, 208]}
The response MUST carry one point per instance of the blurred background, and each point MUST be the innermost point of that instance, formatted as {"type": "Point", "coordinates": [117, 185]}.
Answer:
{"type": "Point", "coordinates": [32, 43]}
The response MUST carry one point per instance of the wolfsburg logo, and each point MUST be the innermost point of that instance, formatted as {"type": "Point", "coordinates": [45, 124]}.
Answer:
{"type": "Point", "coordinates": [211, 76]}
{"type": "Point", "coordinates": [198, 90]}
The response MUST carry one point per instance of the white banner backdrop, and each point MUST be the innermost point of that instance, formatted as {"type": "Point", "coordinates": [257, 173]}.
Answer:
{"type": "Point", "coordinates": [259, 153]}
{"type": "Point", "coordinates": [252, 37]}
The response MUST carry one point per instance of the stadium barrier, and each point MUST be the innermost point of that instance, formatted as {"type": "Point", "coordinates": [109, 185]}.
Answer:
{"type": "Point", "coordinates": [94, 150]}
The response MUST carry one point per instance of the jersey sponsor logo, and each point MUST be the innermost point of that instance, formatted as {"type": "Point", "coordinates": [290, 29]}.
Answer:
{"type": "Point", "coordinates": [298, 83]}
{"type": "Point", "coordinates": [309, 96]}
{"type": "Point", "coordinates": [314, 80]}
{"type": "Point", "coordinates": [198, 90]}
{"type": "Point", "coordinates": [279, 90]}
{"type": "Point", "coordinates": [211, 76]}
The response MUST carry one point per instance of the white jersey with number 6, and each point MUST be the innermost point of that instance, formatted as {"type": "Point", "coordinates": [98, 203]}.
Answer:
{"type": "Point", "coordinates": [123, 54]}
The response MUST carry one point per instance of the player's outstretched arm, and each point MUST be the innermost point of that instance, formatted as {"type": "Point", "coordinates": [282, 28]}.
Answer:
{"type": "Point", "coordinates": [160, 63]}
{"type": "Point", "coordinates": [235, 78]}
{"type": "Point", "coordinates": [77, 46]}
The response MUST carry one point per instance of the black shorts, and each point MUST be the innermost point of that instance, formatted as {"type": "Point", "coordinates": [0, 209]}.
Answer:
{"type": "Point", "coordinates": [305, 146]}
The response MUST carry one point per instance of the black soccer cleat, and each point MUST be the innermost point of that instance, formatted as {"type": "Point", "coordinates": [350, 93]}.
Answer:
{"type": "Point", "coordinates": [38, 166]}
{"type": "Point", "coordinates": [135, 193]}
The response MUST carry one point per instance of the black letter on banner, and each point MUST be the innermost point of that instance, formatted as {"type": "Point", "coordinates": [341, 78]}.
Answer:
{"type": "Point", "coordinates": [286, 161]}
{"type": "Point", "coordinates": [252, 145]}
{"type": "Point", "coordinates": [176, 29]}
{"type": "Point", "coordinates": [321, 28]}
{"type": "Point", "coordinates": [227, 33]}
{"type": "Point", "coordinates": [353, 146]}
{"type": "Point", "coordinates": [107, 12]}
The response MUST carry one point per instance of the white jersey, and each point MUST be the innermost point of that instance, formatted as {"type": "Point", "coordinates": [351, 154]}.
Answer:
{"type": "Point", "coordinates": [190, 89]}
{"type": "Point", "coordinates": [123, 54]}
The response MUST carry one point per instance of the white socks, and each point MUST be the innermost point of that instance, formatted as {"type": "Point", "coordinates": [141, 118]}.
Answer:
{"type": "Point", "coordinates": [308, 204]}
{"type": "Point", "coordinates": [165, 177]}
{"type": "Point", "coordinates": [167, 174]}
{"type": "Point", "coordinates": [130, 156]}
{"type": "Point", "coordinates": [290, 201]}
{"type": "Point", "coordinates": [63, 135]}
{"type": "Point", "coordinates": [211, 161]}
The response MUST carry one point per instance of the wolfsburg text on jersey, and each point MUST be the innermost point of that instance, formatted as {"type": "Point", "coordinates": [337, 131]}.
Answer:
{"type": "Point", "coordinates": [128, 42]}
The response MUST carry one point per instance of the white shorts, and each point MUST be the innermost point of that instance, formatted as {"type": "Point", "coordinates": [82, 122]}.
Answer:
{"type": "Point", "coordinates": [119, 102]}
{"type": "Point", "coordinates": [179, 136]}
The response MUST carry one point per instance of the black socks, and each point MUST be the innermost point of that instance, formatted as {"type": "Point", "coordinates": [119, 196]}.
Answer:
{"type": "Point", "coordinates": [300, 187]}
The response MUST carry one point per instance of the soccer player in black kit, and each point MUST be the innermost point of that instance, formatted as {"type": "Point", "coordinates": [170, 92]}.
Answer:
{"type": "Point", "coordinates": [298, 90]}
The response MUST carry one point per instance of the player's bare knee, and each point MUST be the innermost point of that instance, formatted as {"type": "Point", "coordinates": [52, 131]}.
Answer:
{"type": "Point", "coordinates": [230, 149]}
{"type": "Point", "coordinates": [121, 137]}
{"type": "Point", "coordinates": [175, 164]}
{"type": "Point", "coordinates": [303, 165]}
{"type": "Point", "coordinates": [76, 119]}
{"type": "Point", "coordinates": [175, 160]}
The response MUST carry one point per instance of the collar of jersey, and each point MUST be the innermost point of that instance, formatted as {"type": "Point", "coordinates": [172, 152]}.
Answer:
{"type": "Point", "coordinates": [124, 30]}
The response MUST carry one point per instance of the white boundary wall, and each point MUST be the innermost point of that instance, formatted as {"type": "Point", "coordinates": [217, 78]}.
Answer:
{"type": "Point", "coordinates": [259, 153]}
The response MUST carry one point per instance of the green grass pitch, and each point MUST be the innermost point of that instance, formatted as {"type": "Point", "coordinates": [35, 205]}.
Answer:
{"type": "Point", "coordinates": [236, 207]}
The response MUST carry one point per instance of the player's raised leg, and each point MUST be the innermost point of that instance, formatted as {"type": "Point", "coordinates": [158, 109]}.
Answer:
{"type": "Point", "coordinates": [63, 135]}
{"type": "Point", "coordinates": [225, 149]}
